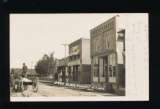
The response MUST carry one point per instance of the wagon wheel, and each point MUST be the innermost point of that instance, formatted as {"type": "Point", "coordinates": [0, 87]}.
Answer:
{"type": "Point", "coordinates": [35, 84]}
{"type": "Point", "coordinates": [25, 87]}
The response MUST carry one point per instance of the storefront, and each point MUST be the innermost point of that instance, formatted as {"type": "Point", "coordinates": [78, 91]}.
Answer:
{"type": "Point", "coordinates": [105, 68]}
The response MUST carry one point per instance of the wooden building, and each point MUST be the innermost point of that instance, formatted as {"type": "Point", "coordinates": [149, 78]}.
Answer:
{"type": "Point", "coordinates": [79, 63]}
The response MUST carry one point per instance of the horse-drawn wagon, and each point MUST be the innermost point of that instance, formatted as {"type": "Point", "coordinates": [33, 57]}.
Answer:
{"type": "Point", "coordinates": [23, 83]}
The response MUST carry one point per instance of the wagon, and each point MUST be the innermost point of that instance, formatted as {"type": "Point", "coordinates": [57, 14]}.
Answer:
{"type": "Point", "coordinates": [34, 82]}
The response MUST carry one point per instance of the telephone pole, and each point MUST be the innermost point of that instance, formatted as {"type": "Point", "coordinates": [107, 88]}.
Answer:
{"type": "Point", "coordinates": [65, 64]}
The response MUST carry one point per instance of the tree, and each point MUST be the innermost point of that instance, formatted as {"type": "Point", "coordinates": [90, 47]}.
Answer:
{"type": "Point", "coordinates": [45, 65]}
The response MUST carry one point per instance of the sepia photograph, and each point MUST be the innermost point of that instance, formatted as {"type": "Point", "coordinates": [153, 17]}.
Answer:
{"type": "Point", "coordinates": [79, 57]}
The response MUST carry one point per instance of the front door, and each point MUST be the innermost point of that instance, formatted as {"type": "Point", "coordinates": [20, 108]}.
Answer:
{"type": "Point", "coordinates": [75, 73]}
{"type": "Point", "coordinates": [112, 68]}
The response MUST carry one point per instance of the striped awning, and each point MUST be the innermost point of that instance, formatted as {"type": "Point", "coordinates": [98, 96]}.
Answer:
{"type": "Point", "coordinates": [77, 52]}
{"type": "Point", "coordinates": [74, 53]}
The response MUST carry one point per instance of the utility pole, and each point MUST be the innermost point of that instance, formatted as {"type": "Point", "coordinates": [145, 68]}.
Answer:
{"type": "Point", "coordinates": [65, 64]}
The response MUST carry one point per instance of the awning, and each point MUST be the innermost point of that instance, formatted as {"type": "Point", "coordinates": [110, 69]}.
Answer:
{"type": "Point", "coordinates": [74, 53]}
{"type": "Point", "coordinates": [76, 62]}
{"type": "Point", "coordinates": [77, 52]}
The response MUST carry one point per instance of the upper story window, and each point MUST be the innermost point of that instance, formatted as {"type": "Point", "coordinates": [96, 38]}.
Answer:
{"type": "Point", "coordinates": [78, 56]}
{"type": "Point", "coordinates": [71, 58]}
{"type": "Point", "coordinates": [112, 23]}
{"type": "Point", "coordinates": [97, 45]}
{"type": "Point", "coordinates": [107, 42]}
{"type": "Point", "coordinates": [75, 48]}
{"type": "Point", "coordinates": [106, 26]}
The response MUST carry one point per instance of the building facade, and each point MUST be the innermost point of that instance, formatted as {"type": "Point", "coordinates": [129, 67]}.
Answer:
{"type": "Point", "coordinates": [121, 39]}
{"type": "Point", "coordinates": [106, 54]}
{"type": "Point", "coordinates": [62, 70]}
{"type": "Point", "coordinates": [79, 63]}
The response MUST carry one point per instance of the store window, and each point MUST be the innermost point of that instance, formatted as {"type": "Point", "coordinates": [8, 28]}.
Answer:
{"type": "Point", "coordinates": [78, 56]}
{"type": "Point", "coordinates": [112, 66]}
{"type": "Point", "coordinates": [96, 66]}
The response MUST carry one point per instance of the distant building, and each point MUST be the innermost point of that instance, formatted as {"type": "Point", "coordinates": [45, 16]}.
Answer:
{"type": "Point", "coordinates": [107, 65]}
{"type": "Point", "coordinates": [79, 63]}
{"type": "Point", "coordinates": [60, 76]}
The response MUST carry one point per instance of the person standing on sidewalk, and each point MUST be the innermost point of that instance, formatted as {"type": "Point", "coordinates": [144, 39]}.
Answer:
{"type": "Point", "coordinates": [25, 70]}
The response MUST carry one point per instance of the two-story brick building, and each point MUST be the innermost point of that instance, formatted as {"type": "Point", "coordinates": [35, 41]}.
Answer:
{"type": "Point", "coordinates": [106, 54]}
{"type": "Point", "coordinates": [79, 64]}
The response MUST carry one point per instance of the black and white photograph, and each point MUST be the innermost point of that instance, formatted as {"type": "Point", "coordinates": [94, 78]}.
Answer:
{"type": "Point", "coordinates": [79, 57]}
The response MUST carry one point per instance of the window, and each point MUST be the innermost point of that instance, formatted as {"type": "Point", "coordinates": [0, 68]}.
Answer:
{"type": "Point", "coordinates": [71, 58]}
{"type": "Point", "coordinates": [107, 42]}
{"type": "Point", "coordinates": [96, 66]}
{"type": "Point", "coordinates": [112, 23]}
{"type": "Point", "coordinates": [97, 45]}
{"type": "Point", "coordinates": [75, 48]}
{"type": "Point", "coordinates": [78, 56]}
{"type": "Point", "coordinates": [106, 26]}
{"type": "Point", "coordinates": [74, 57]}
{"type": "Point", "coordinates": [112, 66]}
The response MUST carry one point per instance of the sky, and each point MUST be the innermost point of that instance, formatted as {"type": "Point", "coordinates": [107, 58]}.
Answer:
{"type": "Point", "coordinates": [33, 35]}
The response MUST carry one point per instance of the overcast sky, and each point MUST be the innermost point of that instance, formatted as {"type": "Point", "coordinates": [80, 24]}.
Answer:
{"type": "Point", "coordinates": [33, 35]}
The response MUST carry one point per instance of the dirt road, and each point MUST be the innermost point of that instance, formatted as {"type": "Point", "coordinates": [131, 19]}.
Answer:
{"type": "Point", "coordinates": [50, 90]}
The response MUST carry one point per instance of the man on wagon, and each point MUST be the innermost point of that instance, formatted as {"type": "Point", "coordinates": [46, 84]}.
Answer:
{"type": "Point", "coordinates": [25, 70]}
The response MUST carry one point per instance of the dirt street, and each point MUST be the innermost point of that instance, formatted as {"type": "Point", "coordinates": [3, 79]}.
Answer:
{"type": "Point", "coordinates": [49, 90]}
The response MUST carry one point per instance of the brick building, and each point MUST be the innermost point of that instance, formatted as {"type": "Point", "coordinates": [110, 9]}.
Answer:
{"type": "Point", "coordinates": [79, 64]}
{"type": "Point", "coordinates": [107, 64]}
